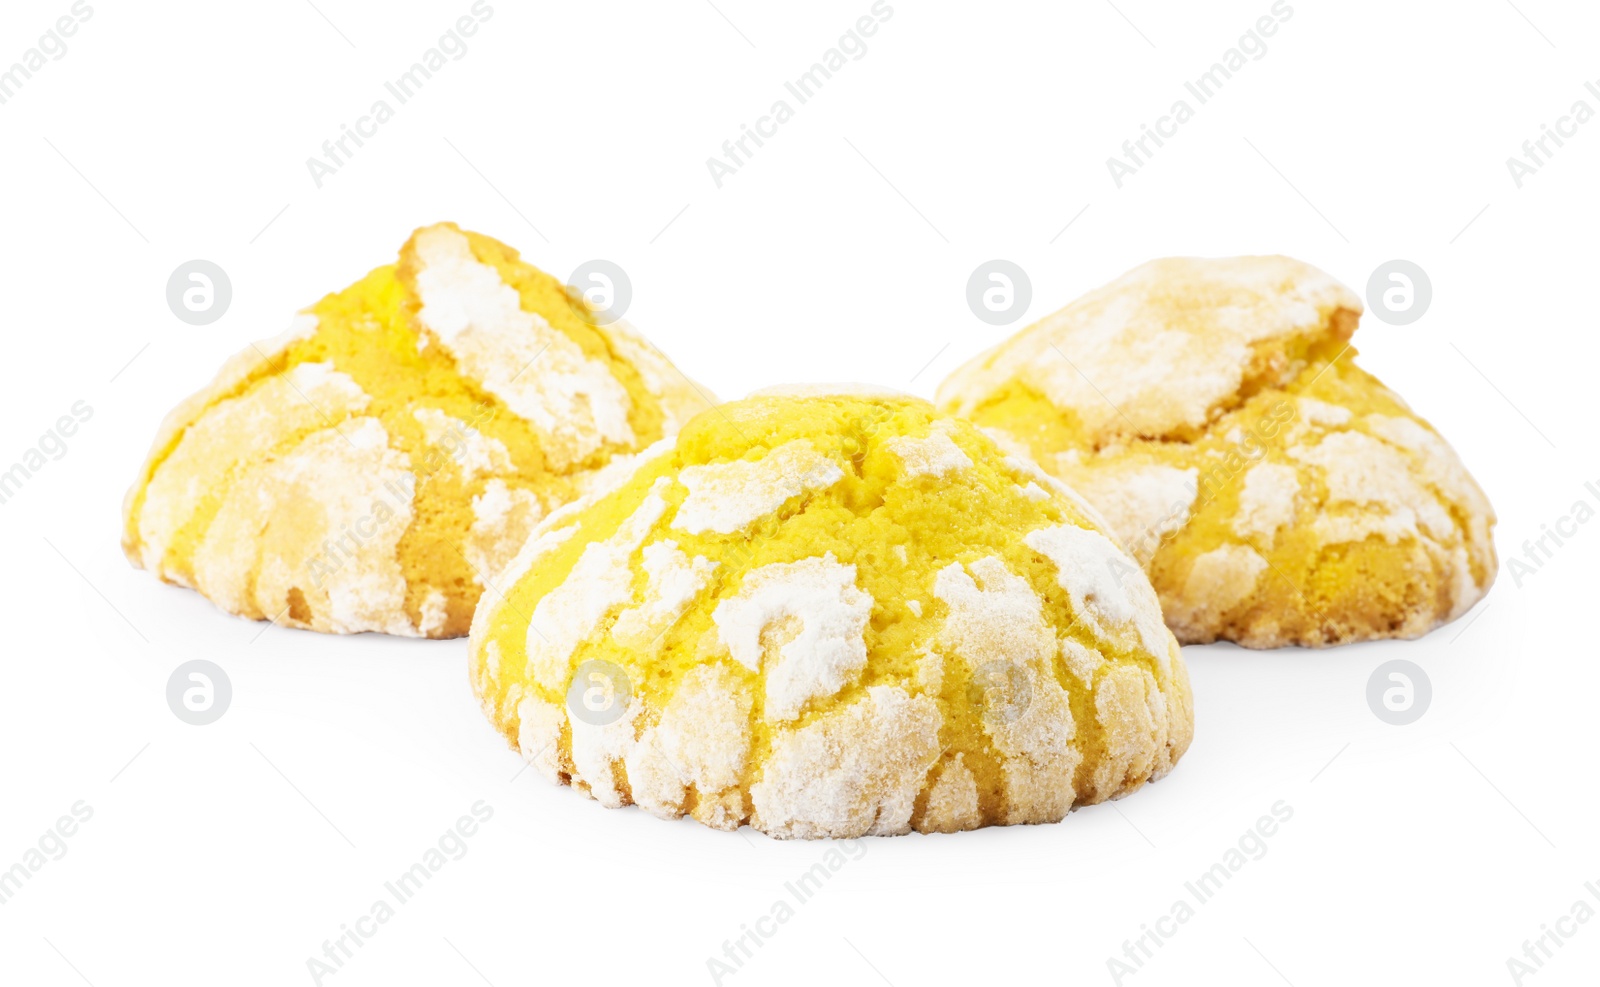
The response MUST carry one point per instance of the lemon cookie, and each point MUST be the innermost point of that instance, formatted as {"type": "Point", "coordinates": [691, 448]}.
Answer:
{"type": "Point", "coordinates": [833, 613]}
{"type": "Point", "coordinates": [1275, 492]}
{"type": "Point", "coordinates": [371, 467]}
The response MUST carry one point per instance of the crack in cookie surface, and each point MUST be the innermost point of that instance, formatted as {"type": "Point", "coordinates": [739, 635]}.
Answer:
{"type": "Point", "coordinates": [1274, 492]}
{"type": "Point", "coordinates": [834, 614]}
{"type": "Point", "coordinates": [497, 390]}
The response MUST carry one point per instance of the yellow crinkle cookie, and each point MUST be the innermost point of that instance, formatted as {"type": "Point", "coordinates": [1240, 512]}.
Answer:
{"type": "Point", "coordinates": [1275, 492]}
{"type": "Point", "coordinates": [833, 614]}
{"type": "Point", "coordinates": [368, 469]}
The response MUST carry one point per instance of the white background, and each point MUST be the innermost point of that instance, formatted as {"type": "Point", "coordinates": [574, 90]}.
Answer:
{"type": "Point", "coordinates": [227, 854]}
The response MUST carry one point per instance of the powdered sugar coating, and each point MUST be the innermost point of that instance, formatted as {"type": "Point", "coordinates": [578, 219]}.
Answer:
{"type": "Point", "coordinates": [473, 453]}
{"type": "Point", "coordinates": [822, 654]}
{"type": "Point", "coordinates": [233, 434]}
{"type": "Point", "coordinates": [855, 772]}
{"type": "Point", "coordinates": [1103, 582]}
{"type": "Point", "coordinates": [829, 671]}
{"type": "Point", "coordinates": [502, 518]}
{"type": "Point", "coordinates": [498, 390]}
{"type": "Point", "coordinates": [1159, 349]}
{"type": "Point", "coordinates": [339, 497]}
{"type": "Point", "coordinates": [728, 497]}
{"type": "Point", "coordinates": [1001, 622]}
{"type": "Point", "coordinates": [930, 455]}
{"type": "Point", "coordinates": [1218, 581]}
{"type": "Point", "coordinates": [701, 744]}
{"type": "Point", "coordinates": [1266, 501]}
{"type": "Point", "coordinates": [573, 401]}
{"type": "Point", "coordinates": [600, 579]}
{"type": "Point", "coordinates": [1143, 502]}
{"type": "Point", "coordinates": [673, 582]}
{"type": "Point", "coordinates": [1274, 492]}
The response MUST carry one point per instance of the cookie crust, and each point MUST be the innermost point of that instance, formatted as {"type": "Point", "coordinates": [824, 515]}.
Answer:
{"type": "Point", "coordinates": [833, 615]}
{"type": "Point", "coordinates": [373, 466]}
{"type": "Point", "coordinates": [1276, 493]}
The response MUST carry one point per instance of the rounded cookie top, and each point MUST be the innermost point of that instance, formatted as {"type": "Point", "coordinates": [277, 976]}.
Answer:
{"type": "Point", "coordinates": [1305, 505]}
{"type": "Point", "coordinates": [1163, 349]}
{"type": "Point", "coordinates": [833, 615]}
{"type": "Point", "coordinates": [370, 468]}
